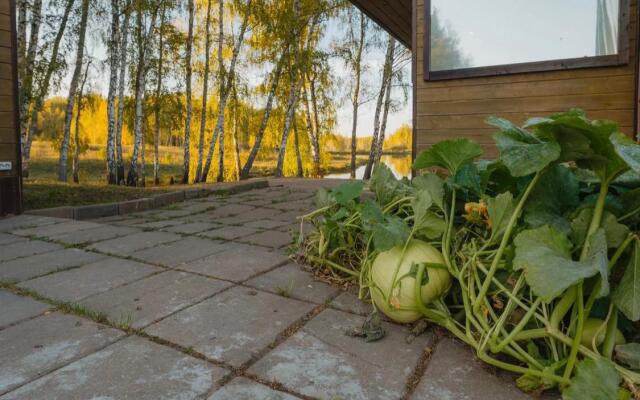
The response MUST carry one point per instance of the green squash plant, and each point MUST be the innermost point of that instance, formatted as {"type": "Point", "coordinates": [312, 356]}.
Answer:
{"type": "Point", "coordinates": [542, 246]}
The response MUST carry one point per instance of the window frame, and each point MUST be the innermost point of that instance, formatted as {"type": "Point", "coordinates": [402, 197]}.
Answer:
{"type": "Point", "coordinates": [622, 58]}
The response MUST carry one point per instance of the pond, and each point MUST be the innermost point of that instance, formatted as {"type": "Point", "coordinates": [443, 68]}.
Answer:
{"type": "Point", "coordinates": [400, 165]}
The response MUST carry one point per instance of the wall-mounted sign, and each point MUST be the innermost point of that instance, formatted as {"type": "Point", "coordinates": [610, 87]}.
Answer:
{"type": "Point", "coordinates": [6, 165]}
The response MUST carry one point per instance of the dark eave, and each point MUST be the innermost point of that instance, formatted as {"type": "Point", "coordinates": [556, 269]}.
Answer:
{"type": "Point", "coordinates": [392, 15]}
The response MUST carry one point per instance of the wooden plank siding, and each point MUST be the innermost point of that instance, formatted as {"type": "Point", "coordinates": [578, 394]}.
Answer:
{"type": "Point", "coordinates": [458, 108]}
{"type": "Point", "coordinates": [10, 181]}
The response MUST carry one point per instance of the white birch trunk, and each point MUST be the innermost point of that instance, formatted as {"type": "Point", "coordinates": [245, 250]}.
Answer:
{"type": "Point", "coordinates": [76, 149]}
{"type": "Point", "coordinates": [386, 75]}
{"type": "Point", "coordinates": [187, 124]}
{"type": "Point", "coordinates": [111, 96]}
{"type": "Point", "coordinates": [156, 141]}
{"type": "Point", "coordinates": [120, 176]}
{"type": "Point", "coordinates": [205, 92]}
{"type": "Point", "coordinates": [143, 39]}
{"type": "Point", "coordinates": [26, 89]}
{"type": "Point", "coordinates": [246, 170]}
{"type": "Point", "coordinates": [355, 100]}
{"type": "Point", "coordinates": [73, 88]}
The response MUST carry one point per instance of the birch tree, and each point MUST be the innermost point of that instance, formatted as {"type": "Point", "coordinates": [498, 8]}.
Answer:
{"type": "Point", "coordinates": [114, 53]}
{"type": "Point", "coordinates": [226, 81]}
{"type": "Point", "coordinates": [294, 90]}
{"type": "Point", "coordinates": [236, 144]}
{"type": "Point", "coordinates": [205, 91]}
{"type": "Point", "coordinates": [53, 64]}
{"type": "Point", "coordinates": [384, 87]}
{"type": "Point", "coordinates": [143, 37]}
{"type": "Point", "coordinates": [189, 71]}
{"type": "Point", "coordinates": [123, 53]}
{"type": "Point", "coordinates": [27, 55]}
{"type": "Point", "coordinates": [352, 52]}
{"type": "Point", "coordinates": [158, 99]}
{"type": "Point", "coordinates": [275, 80]}
{"type": "Point", "coordinates": [73, 88]}
{"type": "Point", "coordinates": [80, 106]}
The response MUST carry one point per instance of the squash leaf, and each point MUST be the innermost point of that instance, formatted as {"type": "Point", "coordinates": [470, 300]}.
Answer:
{"type": "Point", "coordinates": [544, 254]}
{"type": "Point", "coordinates": [500, 209]}
{"type": "Point", "coordinates": [433, 184]}
{"type": "Point", "coordinates": [468, 179]}
{"type": "Point", "coordinates": [324, 198]}
{"type": "Point", "coordinates": [389, 234]}
{"type": "Point", "coordinates": [449, 154]}
{"type": "Point", "coordinates": [521, 151]}
{"type": "Point", "coordinates": [627, 149]}
{"type": "Point", "coordinates": [385, 185]}
{"type": "Point", "coordinates": [371, 214]}
{"type": "Point", "coordinates": [629, 354]}
{"type": "Point", "coordinates": [348, 191]}
{"type": "Point", "coordinates": [615, 232]}
{"type": "Point", "coordinates": [557, 193]}
{"type": "Point", "coordinates": [627, 295]}
{"type": "Point", "coordinates": [595, 380]}
{"type": "Point", "coordinates": [426, 222]}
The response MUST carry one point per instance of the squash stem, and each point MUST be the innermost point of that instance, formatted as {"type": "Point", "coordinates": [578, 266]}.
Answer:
{"type": "Point", "coordinates": [505, 240]}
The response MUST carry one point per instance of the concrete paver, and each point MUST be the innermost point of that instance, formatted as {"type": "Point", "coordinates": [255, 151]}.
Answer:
{"type": "Point", "coordinates": [177, 253]}
{"type": "Point", "coordinates": [245, 389]}
{"type": "Point", "coordinates": [27, 221]}
{"type": "Point", "coordinates": [232, 326]}
{"type": "Point", "coordinates": [92, 235]}
{"type": "Point", "coordinates": [91, 279]}
{"type": "Point", "coordinates": [127, 245]}
{"type": "Point", "coordinates": [229, 232]}
{"type": "Point", "coordinates": [275, 239]}
{"type": "Point", "coordinates": [30, 267]}
{"type": "Point", "coordinates": [6, 238]}
{"type": "Point", "coordinates": [145, 301]}
{"type": "Point", "coordinates": [454, 373]}
{"type": "Point", "coordinates": [349, 302]}
{"type": "Point", "coordinates": [24, 249]}
{"type": "Point", "coordinates": [33, 348]}
{"type": "Point", "coordinates": [191, 228]}
{"type": "Point", "coordinates": [56, 229]}
{"type": "Point", "coordinates": [15, 308]}
{"type": "Point", "coordinates": [323, 362]}
{"type": "Point", "coordinates": [130, 369]}
{"type": "Point", "coordinates": [292, 281]}
{"type": "Point", "coordinates": [238, 262]}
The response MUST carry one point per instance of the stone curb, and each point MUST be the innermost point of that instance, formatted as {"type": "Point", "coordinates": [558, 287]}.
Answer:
{"type": "Point", "coordinates": [160, 200]}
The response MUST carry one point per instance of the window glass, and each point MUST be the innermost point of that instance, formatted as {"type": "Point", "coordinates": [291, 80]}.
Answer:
{"type": "Point", "coordinates": [481, 33]}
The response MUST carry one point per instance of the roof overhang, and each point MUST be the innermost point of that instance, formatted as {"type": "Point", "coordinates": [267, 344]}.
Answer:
{"type": "Point", "coordinates": [392, 15]}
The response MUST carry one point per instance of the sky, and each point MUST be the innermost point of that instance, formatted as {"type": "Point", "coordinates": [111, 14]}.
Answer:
{"type": "Point", "coordinates": [335, 28]}
{"type": "Point", "coordinates": [513, 31]}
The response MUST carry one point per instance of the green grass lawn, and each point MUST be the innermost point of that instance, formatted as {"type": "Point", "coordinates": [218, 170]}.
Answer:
{"type": "Point", "coordinates": [53, 194]}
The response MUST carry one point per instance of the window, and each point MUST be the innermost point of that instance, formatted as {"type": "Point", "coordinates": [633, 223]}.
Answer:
{"type": "Point", "coordinates": [469, 38]}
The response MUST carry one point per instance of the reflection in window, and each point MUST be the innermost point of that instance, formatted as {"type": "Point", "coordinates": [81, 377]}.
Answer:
{"type": "Point", "coordinates": [473, 33]}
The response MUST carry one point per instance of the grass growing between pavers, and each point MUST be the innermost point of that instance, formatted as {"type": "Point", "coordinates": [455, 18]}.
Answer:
{"type": "Point", "coordinates": [62, 306]}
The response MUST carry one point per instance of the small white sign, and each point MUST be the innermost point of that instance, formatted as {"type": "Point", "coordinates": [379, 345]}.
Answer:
{"type": "Point", "coordinates": [6, 166]}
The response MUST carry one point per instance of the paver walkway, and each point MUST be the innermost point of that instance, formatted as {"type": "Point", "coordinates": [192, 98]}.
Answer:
{"type": "Point", "coordinates": [200, 301]}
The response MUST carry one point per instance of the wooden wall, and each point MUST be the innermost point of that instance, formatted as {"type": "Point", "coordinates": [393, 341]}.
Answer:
{"type": "Point", "coordinates": [9, 144]}
{"type": "Point", "coordinates": [458, 108]}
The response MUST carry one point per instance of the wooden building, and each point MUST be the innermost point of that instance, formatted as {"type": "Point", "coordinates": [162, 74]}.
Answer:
{"type": "Point", "coordinates": [10, 169]}
{"type": "Point", "coordinates": [600, 75]}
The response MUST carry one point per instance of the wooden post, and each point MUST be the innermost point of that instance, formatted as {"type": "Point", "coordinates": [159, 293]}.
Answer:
{"type": "Point", "coordinates": [10, 156]}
